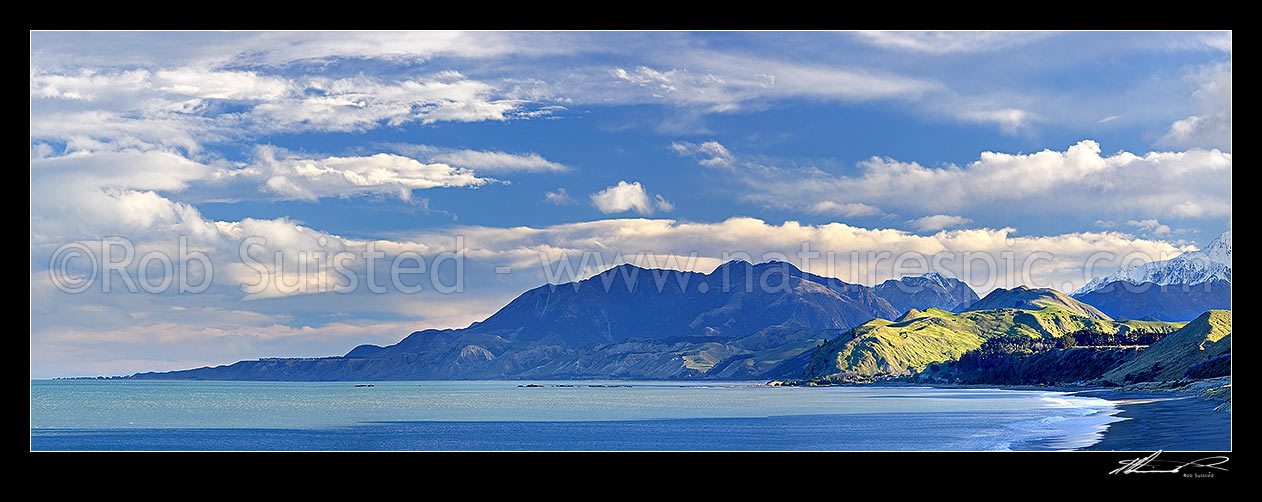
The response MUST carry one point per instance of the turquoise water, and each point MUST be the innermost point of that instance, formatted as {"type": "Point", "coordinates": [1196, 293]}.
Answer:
{"type": "Point", "coordinates": [495, 415]}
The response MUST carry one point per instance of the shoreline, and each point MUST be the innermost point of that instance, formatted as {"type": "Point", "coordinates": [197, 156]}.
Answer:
{"type": "Point", "coordinates": [1166, 421]}
{"type": "Point", "coordinates": [1154, 416]}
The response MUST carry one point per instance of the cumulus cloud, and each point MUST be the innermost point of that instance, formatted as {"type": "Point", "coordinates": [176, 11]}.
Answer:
{"type": "Point", "coordinates": [299, 178]}
{"type": "Point", "coordinates": [1078, 180]}
{"type": "Point", "coordinates": [938, 222]}
{"type": "Point", "coordinates": [86, 195]}
{"type": "Point", "coordinates": [629, 197]}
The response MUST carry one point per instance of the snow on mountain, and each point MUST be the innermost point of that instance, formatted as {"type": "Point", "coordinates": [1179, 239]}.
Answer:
{"type": "Point", "coordinates": [1193, 267]}
{"type": "Point", "coordinates": [924, 291]}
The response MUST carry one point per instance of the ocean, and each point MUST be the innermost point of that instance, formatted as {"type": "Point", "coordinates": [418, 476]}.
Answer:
{"type": "Point", "coordinates": [113, 415]}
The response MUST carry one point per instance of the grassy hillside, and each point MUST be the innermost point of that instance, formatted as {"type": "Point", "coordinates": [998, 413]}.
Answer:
{"type": "Point", "coordinates": [1025, 298]}
{"type": "Point", "coordinates": [1203, 340]}
{"type": "Point", "coordinates": [890, 348]}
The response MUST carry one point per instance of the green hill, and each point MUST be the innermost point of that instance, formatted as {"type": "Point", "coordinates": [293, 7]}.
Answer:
{"type": "Point", "coordinates": [880, 348]}
{"type": "Point", "coordinates": [1205, 340]}
{"type": "Point", "coordinates": [1025, 298]}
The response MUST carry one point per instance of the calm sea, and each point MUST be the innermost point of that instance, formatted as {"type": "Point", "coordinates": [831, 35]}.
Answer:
{"type": "Point", "coordinates": [496, 415]}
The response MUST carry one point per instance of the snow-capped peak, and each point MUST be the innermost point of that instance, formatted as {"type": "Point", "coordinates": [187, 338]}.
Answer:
{"type": "Point", "coordinates": [1192, 267]}
{"type": "Point", "coordinates": [1219, 250]}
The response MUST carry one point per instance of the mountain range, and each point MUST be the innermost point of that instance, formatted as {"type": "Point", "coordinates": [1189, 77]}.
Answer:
{"type": "Point", "coordinates": [740, 321]}
{"type": "Point", "coordinates": [1182, 302]}
{"type": "Point", "coordinates": [1190, 268]}
{"type": "Point", "coordinates": [1178, 289]}
{"type": "Point", "coordinates": [930, 290]}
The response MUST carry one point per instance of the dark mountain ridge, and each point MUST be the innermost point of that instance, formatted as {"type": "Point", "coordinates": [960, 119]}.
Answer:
{"type": "Point", "coordinates": [1174, 302]}
{"type": "Point", "coordinates": [930, 290]}
{"type": "Point", "coordinates": [736, 299]}
{"type": "Point", "coordinates": [626, 322]}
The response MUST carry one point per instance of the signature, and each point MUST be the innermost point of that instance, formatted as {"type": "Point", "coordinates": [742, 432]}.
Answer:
{"type": "Point", "coordinates": [1151, 465]}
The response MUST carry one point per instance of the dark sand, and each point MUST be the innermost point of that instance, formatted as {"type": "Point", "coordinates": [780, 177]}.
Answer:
{"type": "Point", "coordinates": [1164, 421]}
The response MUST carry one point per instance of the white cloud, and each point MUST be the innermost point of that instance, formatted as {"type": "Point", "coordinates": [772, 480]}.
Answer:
{"type": "Point", "coordinates": [663, 204]}
{"type": "Point", "coordinates": [850, 209]}
{"type": "Point", "coordinates": [1010, 120]}
{"type": "Point", "coordinates": [184, 105]}
{"type": "Point", "coordinates": [709, 153]}
{"type": "Point", "coordinates": [363, 103]}
{"type": "Point", "coordinates": [854, 254]}
{"type": "Point", "coordinates": [1150, 225]}
{"type": "Point", "coordinates": [948, 42]}
{"type": "Point", "coordinates": [89, 195]}
{"type": "Point", "coordinates": [560, 197]}
{"type": "Point", "coordinates": [96, 130]}
{"type": "Point", "coordinates": [628, 197]}
{"type": "Point", "coordinates": [1212, 126]}
{"type": "Point", "coordinates": [986, 258]}
{"type": "Point", "coordinates": [483, 161]}
{"type": "Point", "coordinates": [1220, 41]}
{"type": "Point", "coordinates": [718, 82]}
{"type": "Point", "coordinates": [294, 177]}
{"type": "Point", "coordinates": [175, 85]}
{"type": "Point", "coordinates": [494, 162]}
{"type": "Point", "coordinates": [1079, 180]}
{"type": "Point", "coordinates": [938, 222]}
{"type": "Point", "coordinates": [286, 47]}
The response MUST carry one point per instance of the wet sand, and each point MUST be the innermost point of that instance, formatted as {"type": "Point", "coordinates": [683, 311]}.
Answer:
{"type": "Point", "coordinates": [1164, 421]}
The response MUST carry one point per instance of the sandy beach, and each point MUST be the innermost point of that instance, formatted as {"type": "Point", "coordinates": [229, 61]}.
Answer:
{"type": "Point", "coordinates": [1164, 421]}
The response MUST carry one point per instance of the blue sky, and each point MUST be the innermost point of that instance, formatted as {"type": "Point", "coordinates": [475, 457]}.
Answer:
{"type": "Point", "coordinates": [538, 147]}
